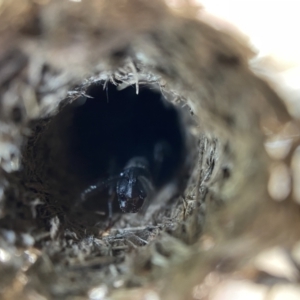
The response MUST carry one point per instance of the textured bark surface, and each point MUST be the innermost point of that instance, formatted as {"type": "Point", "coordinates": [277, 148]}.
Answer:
{"type": "Point", "coordinates": [51, 52]}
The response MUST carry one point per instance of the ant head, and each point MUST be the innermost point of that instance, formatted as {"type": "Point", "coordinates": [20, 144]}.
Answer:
{"type": "Point", "coordinates": [131, 195]}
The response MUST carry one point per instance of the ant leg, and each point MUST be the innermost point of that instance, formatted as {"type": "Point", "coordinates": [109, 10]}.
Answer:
{"type": "Point", "coordinates": [94, 188]}
{"type": "Point", "coordinates": [97, 187]}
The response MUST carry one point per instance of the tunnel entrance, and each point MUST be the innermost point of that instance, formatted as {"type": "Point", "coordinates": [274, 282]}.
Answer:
{"type": "Point", "coordinates": [87, 147]}
{"type": "Point", "coordinates": [110, 127]}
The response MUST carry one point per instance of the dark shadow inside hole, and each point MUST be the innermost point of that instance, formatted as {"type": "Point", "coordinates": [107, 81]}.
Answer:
{"type": "Point", "coordinates": [114, 126]}
{"type": "Point", "coordinates": [111, 127]}
{"type": "Point", "coordinates": [92, 139]}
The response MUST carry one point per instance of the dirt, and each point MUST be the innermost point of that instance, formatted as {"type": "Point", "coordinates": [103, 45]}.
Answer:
{"type": "Point", "coordinates": [221, 213]}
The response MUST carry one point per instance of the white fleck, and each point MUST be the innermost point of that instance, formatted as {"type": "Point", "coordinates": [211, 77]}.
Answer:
{"type": "Point", "coordinates": [98, 293]}
{"type": "Point", "coordinates": [33, 205]}
{"type": "Point", "coordinates": [54, 223]}
{"type": "Point", "coordinates": [118, 283]}
{"type": "Point", "coordinates": [9, 154]}
{"type": "Point", "coordinates": [71, 234]}
{"type": "Point", "coordinates": [159, 260]}
{"type": "Point", "coordinates": [31, 256]}
{"type": "Point", "coordinates": [27, 239]}
{"type": "Point", "coordinates": [4, 256]}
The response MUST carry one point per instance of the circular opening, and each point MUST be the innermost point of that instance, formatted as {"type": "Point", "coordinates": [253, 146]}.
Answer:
{"type": "Point", "coordinates": [109, 152]}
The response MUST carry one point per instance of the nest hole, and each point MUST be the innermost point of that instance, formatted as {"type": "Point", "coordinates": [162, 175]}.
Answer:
{"type": "Point", "coordinates": [91, 141]}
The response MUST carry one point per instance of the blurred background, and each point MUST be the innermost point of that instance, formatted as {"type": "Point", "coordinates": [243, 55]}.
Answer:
{"type": "Point", "coordinates": [270, 28]}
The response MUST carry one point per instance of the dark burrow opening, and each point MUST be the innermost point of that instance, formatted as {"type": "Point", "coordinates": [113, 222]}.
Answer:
{"type": "Point", "coordinates": [93, 140]}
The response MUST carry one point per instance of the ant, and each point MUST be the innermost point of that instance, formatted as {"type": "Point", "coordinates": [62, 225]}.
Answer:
{"type": "Point", "coordinates": [133, 185]}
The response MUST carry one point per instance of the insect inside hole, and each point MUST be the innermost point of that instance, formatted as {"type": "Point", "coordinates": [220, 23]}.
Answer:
{"type": "Point", "coordinates": [133, 186]}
